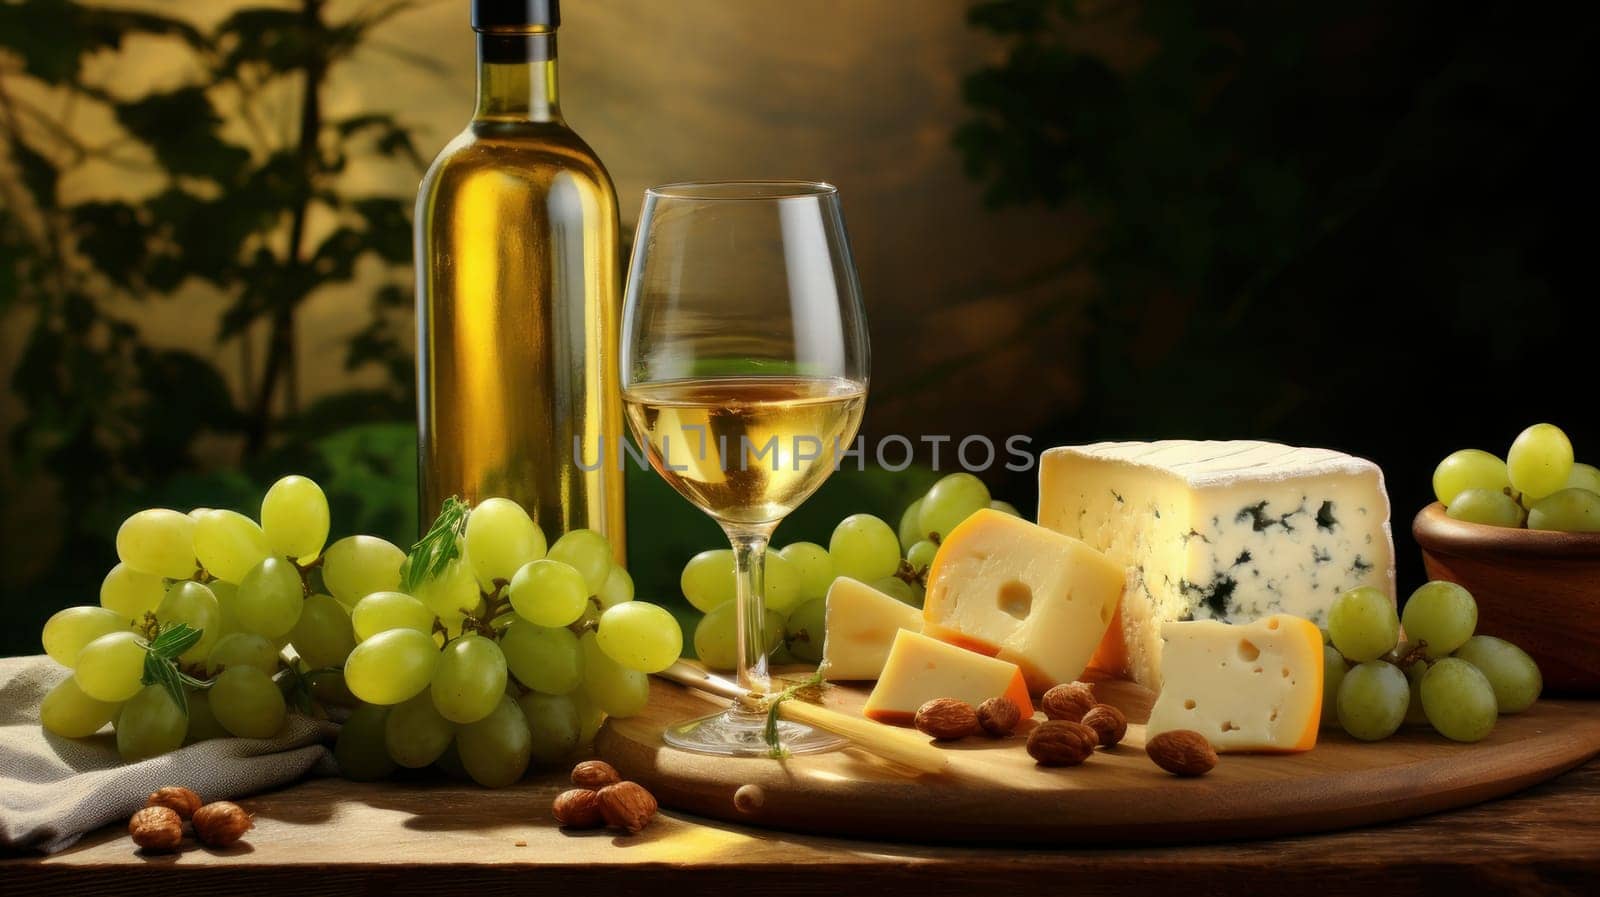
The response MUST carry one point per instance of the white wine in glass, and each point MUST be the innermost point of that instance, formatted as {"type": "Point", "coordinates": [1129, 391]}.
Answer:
{"type": "Point", "coordinates": [744, 370]}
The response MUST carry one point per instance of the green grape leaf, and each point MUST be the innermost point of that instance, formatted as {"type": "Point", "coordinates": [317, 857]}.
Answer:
{"type": "Point", "coordinates": [433, 552]}
{"type": "Point", "coordinates": [161, 663]}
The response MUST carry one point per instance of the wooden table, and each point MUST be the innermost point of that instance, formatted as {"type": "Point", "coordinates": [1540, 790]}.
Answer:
{"type": "Point", "coordinates": [332, 836]}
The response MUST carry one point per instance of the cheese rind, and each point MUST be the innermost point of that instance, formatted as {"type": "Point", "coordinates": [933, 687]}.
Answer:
{"type": "Point", "coordinates": [861, 623]}
{"type": "Point", "coordinates": [920, 669]}
{"type": "Point", "coordinates": [1041, 600]}
{"type": "Point", "coordinates": [1251, 687]}
{"type": "Point", "coordinates": [1228, 531]}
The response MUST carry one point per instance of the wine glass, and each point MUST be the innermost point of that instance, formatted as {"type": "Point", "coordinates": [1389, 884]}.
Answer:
{"type": "Point", "coordinates": [744, 374]}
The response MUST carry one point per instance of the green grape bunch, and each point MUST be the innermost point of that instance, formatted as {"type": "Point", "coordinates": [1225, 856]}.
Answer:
{"type": "Point", "coordinates": [893, 560]}
{"type": "Point", "coordinates": [1444, 675]}
{"type": "Point", "coordinates": [481, 650]}
{"type": "Point", "coordinates": [1538, 485]}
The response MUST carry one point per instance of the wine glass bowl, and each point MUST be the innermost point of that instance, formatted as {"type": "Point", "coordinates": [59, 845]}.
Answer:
{"type": "Point", "coordinates": [744, 375]}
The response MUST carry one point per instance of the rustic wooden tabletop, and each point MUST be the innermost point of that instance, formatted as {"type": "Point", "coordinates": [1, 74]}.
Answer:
{"type": "Point", "coordinates": [331, 836]}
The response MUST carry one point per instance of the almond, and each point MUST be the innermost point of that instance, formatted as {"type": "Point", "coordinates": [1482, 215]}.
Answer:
{"type": "Point", "coordinates": [999, 716]}
{"type": "Point", "coordinates": [1182, 752]}
{"type": "Point", "coordinates": [180, 800]}
{"type": "Point", "coordinates": [947, 719]}
{"type": "Point", "coordinates": [578, 808]}
{"type": "Point", "coordinates": [221, 823]}
{"type": "Point", "coordinates": [594, 774]}
{"type": "Point", "coordinates": [627, 805]}
{"type": "Point", "coordinates": [1109, 722]}
{"type": "Point", "coordinates": [1069, 701]}
{"type": "Point", "coordinates": [156, 828]}
{"type": "Point", "coordinates": [1060, 742]}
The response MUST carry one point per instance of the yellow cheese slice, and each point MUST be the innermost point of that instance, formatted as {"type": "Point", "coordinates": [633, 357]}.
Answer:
{"type": "Point", "coordinates": [861, 625]}
{"type": "Point", "coordinates": [1247, 687]}
{"type": "Point", "coordinates": [920, 669]}
{"type": "Point", "coordinates": [1005, 587]}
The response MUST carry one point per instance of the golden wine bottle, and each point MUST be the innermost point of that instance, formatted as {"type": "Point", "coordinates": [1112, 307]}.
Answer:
{"type": "Point", "coordinates": [517, 297]}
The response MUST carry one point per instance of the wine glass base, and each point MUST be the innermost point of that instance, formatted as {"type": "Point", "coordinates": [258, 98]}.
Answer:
{"type": "Point", "coordinates": [742, 733]}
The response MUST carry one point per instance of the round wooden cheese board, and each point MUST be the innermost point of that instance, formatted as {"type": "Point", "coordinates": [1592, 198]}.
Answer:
{"type": "Point", "coordinates": [994, 793]}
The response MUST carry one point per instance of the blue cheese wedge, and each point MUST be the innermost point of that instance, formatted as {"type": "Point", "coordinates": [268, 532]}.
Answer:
{"type": "Point", "coordinates": [1228, 531]}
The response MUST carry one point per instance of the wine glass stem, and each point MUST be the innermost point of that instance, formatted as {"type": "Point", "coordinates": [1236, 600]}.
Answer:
{"type": "Point", "coordinates": [749, 566]}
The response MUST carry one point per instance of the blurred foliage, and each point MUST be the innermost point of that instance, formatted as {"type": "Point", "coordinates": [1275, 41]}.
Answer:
{"type": "Point", "coordinates": [248, 207]}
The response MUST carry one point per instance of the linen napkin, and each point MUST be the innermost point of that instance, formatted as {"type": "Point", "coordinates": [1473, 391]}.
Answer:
{"type": "Point", "coordinates": [53, 790]}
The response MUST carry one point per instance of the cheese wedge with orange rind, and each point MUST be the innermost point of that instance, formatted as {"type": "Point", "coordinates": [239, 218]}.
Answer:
{"type": "Point", "coordinates": [920, 669]}
{"type": "Point", "coordinates": [1028, 595]}
{"type": "Point", "coordinates": [1251, 687]}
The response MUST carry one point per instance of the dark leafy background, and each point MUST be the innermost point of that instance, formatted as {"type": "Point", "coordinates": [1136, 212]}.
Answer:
{"type": "Point", "coordinates": [1362, 225]}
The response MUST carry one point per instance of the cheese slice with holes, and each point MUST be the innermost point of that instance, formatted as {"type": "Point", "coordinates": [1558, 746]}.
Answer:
{"type": "Point", "coordinates": [1005, 587]}
{"type": "Point", "coordinates": [861, 626]}
{"type": "Point", "coordinates": [1230, 531]}
{"type": "Point", "coordinates": [920, 669]}
{"type": "Point", "coordinates": [1248, 687]}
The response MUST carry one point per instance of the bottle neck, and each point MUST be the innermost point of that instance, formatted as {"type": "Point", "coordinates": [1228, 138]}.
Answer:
{"type": "Point", "coordinates": [517, 77]}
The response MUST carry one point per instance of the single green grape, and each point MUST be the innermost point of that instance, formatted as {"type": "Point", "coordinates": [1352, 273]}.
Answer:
{"type": "Point", "coordinates": [382, 611]}
{"type": "Point", "coordinates": [1567, 511]}
{"type": "Point", "coordinates": [590, 716]}
{"type": "Point", "coordinates": [1005, 507]}
{"type": "Point", "coordinates": [553, 725]}
{"type": "Point", "coordinates": [294, 518]}
{"type": "Point", "coordinates": [416, 734]}
{"type": "Point", "coordinates": [1491, 508]}
{"type": "Point", "coordinates": [549, 593]}
{"type": "Point", "coordinates": [1416, 715]}
{"type": "Point", "coordinates": [910, 529]}
{"type": "Point", "coordinates": [270, 598]}
{"type": "Point", "coordinates": [898, 589]}
{"type": "Point", "coordinates": [391, 666]}
{"type": "Point", "coordinates": [619, 691]}
{"type": "Point", "coordinates": [110, 667]}
{"type": "Point", "coordinates": [329, 687]}
{"type": "Point", "coordinates": [158, 541]}
{"type": "Point", "coordinates": [501, 538]}
{"type": "Point", "coordinates": [1372, 700]}
{"type": "Point", "coordinates": [203, 724]}
{"type": "Point", "coordinates": [1363, 624]}
{"type": "Point", "coordinates": [130, 594]}
{"type": "Point", "coordinates": [780, 583]}
{"type": "Point", "coordinates": [640, 636]}
{"type": "Point", "coordinates": [1458, 700]}
{"type": "Point", "coordinates": [589, 553]}
{"type": "Point", "coordinates": [951, 500]}
{"type": "Point", "coordinates": [248, 703]}
{"type": "Point", "coordinates": [150, 725]}
{"type": "Point", "coordinates": [804, 630]}
{"type": "Point", "coordinates": [920, 556]}
{"type": "Point", "coordinates": [470, 679]}
{"type": "Point", "coordinates": [323, 636]}
{"type": "Point", "coordinates": [707, 580]}
{"type": "Point", "coordinates": [68, 712]}
{"type": "Point", "coordinates": [227, 595]}
{"type": "Point", "coordinates": [1540, 461]}
{"type": "Point", "coordinates": [361, 750]}
{"type": "Point", "coordinates": [543, 658]}
{"type": "Point", "coordinates": [1512, 674]}
{"type": "Point", "coordinates": [356, 566]}
{"type": "Point", "coordinates": [618, 588]}
{"type": "Point", "coordinates": [1469, 469]}
{"type": "Point", "coordinates": [716, 637]}
{"type": "Point", "coordinates": [813, 565]}
{"type": "Point", "coordinates": [228, 544]}
{"type": "Point", "coordinates": [242, 649]}
{"type": "Point", "coordinates": [495, 750]}
{"type": "Point", "coordinates": [194, 605]}
{"type": "Point", "coordinates": [1441, 615]}
{"type": "Point", "coordinates": [453, 593]}
{"type": "Point", "coordinates": [1334, 666]}
{"type": "Point", "coordinates": [1585, 477]}
{"type": "Point", "coordinates": [68, 631]}
{"type": "Point", "coordinates": [865, 548]}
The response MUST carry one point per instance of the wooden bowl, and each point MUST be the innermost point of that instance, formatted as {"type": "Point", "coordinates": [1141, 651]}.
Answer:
{"type": "Point", "coordinates": [1539, 590]}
